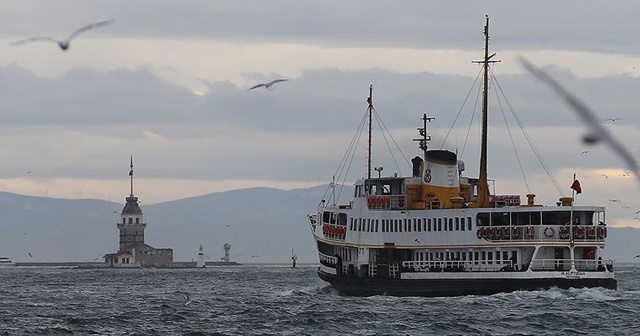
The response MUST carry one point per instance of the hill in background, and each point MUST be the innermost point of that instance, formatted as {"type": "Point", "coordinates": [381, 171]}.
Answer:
{"type": "Point", "coordinates": [262, 225]}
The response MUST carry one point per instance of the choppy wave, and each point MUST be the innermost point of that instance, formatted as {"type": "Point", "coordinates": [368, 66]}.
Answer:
{"type": "Point", "coordinates": [274, 300]}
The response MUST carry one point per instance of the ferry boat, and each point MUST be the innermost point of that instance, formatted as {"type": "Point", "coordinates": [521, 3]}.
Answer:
{"type": "Point", "coordinates": [439, 233]}
{"type": "Point", "coordinates": [5, 261]}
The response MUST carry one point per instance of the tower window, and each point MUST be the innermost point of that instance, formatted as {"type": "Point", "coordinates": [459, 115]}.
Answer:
{"type": "Point", "coordinates": [130, 220]}
{"type": "Point", "coordinates": [137, 220]}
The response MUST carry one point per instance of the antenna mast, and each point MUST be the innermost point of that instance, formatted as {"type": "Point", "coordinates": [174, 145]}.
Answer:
{"type": "Point", "coordinates": [423, 142]}
{"type": "Point", "coordinates": [370, 109]}
{"type": "Point", "coordinates": [131, 174]}
{"type": "Point", "coordinates": [483, 187]}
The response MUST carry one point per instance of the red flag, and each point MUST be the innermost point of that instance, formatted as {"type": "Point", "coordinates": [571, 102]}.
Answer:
{"type": "Point", "coordinates": [131, 173]}
{"type": "Point", "coordinates": [576, 186]}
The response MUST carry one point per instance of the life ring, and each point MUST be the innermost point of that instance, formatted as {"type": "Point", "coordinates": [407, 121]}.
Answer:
{"type": "Point", "coordinates": [591, 232]}
{"type": "Point", "coordinates": [549, 232]}
{"type": "Point", "coordinates": [564, 232]}
{"type": "Point", "coordinates": [578, 232]}
{"type": "Point", "coordinates": [529, 232]}
{"type": "Point", "coordinates": [516, 232]}
{"type": "Point", "coordinates": [479, 233]}
{"type": "Point", "coordinates": [485, 232]}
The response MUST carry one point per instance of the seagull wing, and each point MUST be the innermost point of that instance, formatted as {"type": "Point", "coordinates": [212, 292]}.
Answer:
{"type": "Point", "coordinates": [33, 39]}
{"type": "Point", "coordinates": [88, 27]}
{"type": "Point", "coordinates": [277, 81]}
{"type": "Point", "coordinates": [257, 86]}
{"type": "Point", "coordinates": [597, 131]}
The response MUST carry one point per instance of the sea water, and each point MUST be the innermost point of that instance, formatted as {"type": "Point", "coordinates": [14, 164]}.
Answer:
{"type": "Point", "coordinates": [278, 300]}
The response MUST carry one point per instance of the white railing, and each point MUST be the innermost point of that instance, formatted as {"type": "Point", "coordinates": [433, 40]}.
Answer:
{"type": "Point", "coordinates": [587, 265]}
{"type": "Point", "coordinates": [327, 259]}
{"type": "Point", "coordinates": [458, 266]}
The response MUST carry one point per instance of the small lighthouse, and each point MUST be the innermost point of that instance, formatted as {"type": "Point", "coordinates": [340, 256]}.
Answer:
{"type": "Point", "coordinates": [226, 248]}
{"type": "Point", "coordinates": [294, 258]}
{"type": "Point", "coordinates": [200, 262]}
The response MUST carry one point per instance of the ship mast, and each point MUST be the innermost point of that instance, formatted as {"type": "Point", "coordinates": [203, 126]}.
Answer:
{"type": "Point", "coordinates": [483, 187]}
{"type": "Point", "coordinates": [370, 109]}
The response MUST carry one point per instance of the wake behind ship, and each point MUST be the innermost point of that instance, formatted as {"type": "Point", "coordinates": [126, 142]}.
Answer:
{"type": "Point", "coordinates": [439, 233]}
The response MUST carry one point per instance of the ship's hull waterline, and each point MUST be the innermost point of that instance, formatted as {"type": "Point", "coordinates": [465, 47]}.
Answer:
{"type": "Point", "coordinates": [456, 287]}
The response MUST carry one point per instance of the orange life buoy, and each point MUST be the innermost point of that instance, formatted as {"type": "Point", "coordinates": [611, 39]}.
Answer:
{"type": "Point", "coordinates": [549, 232]}
{"type": "Point", "coordinates": [485, 232]}
{"type": "Point", "coordinates": [564, 232]}
{"type": "Point", "coordinates": [591, 232]}
{"type": "Point", "coordinates": [479, 233]}
{"type": "Point", "coordinates": [578, 232]}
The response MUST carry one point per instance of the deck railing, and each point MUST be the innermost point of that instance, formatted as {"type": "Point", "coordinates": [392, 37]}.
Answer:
{"type": "Point", "coordinates": [459, 266]}
{"type": "Point", "coordinates": [584, 265]}
{"type": "Point", "coordinates": [327, 260]}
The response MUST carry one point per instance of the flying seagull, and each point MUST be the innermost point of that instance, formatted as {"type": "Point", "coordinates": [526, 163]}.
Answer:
{"type": "Point", "coordinates": [63, 44]}
{"type": "Point", "coordinates": [613, 119]}
{"type": "Point", "coordinates": [596, 132]}
{"type": "Point", "coordinates": [268, 85]}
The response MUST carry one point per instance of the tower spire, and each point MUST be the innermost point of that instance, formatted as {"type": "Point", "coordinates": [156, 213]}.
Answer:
{"type": "Point", "coordinates": [131, 174]}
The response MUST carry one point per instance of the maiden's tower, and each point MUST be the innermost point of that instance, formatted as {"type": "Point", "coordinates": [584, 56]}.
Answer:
{"type": "Point", "coordinates": [132, 251]}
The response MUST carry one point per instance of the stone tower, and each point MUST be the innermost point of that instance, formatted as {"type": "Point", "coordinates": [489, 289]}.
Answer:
{"type": "Point", "coordinates": [132, 223]}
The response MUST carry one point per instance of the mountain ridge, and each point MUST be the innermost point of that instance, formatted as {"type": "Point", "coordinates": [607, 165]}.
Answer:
{"type": "Point", "coordinates": [262, 225]}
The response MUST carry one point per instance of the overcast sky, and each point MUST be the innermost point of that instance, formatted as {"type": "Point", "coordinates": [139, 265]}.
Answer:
{"type": "Point", "coordinates": [167, 83]}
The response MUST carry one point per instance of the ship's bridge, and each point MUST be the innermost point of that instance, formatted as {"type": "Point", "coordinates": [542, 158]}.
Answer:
{"type": "Point", "coordinates": [382, 193]}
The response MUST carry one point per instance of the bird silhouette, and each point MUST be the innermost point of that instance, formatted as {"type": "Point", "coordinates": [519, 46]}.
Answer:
{"type": "Point", "coordinates": [595, 131]}
{"type": "Point", "coordinates": [268, 85]}
{"type": "Point", "coordinates": [613, 119]}
{"type": "Point", "coordinates": [63, 44]}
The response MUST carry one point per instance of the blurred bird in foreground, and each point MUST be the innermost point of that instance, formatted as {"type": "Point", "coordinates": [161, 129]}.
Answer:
{"type": "Point", "coordinates": [63, 44]}
{"type": "Point", "coordinates": [268, 85]}
{"type": "Point", "coordinates": [595, 131]}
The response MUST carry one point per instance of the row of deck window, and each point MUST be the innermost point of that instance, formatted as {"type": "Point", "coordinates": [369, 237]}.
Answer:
{"type": "Point", "coordinates": [411, 224]}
